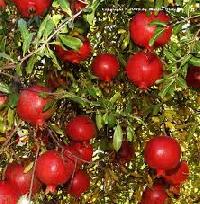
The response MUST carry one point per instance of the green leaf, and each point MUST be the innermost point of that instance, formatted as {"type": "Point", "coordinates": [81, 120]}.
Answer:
{"type": "Point", "coordinates": [130, 133]}
{"type": "Point", "coordinates": [31, 63]}
{"type": "Point", "coordinates": [157, 23]}
{"type": "Point", "coordinates": [181, 82]}
{"type": "Point", "coordinates": [117, 138]}
{"type": "Point", "coordinates": [185, 60]}
{"type": "Point", "coordinates": [169, 56]}
{"type": "Point", "coordinates": [195, 61]}
{"type": "Point", "coordinates": [56, 129]}
{"type": "Point", "coordinates": [71, 42]}
{"type": "Point", "coordinates": [156, 35]}
{"type": "Point", "coordinates": [19, 69]}
{"type": "Point", "coordinates": [4, 88]}
{"type": "Point", "coordinates": [49, 105]}
{"type": "Point", "coordinates": [65, 5]}
{"type": "Point", "coordinates": [13, 98]}
{"type": "Point", "coordinates": [167, 88]}
{"type": "Point", "coordinates": [50, 54]}
{"type": "Point", "coordinates": [115, 97]}
{"type": "Point", "coordinates": [11, 116]}
{"type": "Point", "coordinates": [112, 121]}
{"type": "Point", "coordinates": [99, 120]}
{"type": "Point", "coordinates": [159, 4]}
{"type": "Point", "coordinates": [177, 28]}
{"type": "Point", "coordinates": [6, 56]}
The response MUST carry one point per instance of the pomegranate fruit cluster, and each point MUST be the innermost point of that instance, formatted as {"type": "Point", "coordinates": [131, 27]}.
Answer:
{"type": "Point", "coordinates": [163, 153]}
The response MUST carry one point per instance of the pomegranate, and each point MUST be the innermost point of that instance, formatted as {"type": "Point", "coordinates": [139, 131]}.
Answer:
{"type": "Point", "coordinates": [8, 193]}
{"type": "Point", "coordinates": [141, 32]}
{"type": "Point", "coordinates": [81, 128]}
{"type": "Point", "coordinates": [15, 176]}
{"type": "Point", "coordinates": [193, 77]}
{"type": "Point", "coordinates": [175, 177]}
{"type": "Point", "coordinates": [81, 151]}
{"type": "Point", "coordinates": [74, 56]}
{"type": "Point", "coordinates": [154, 195]}
{"type": "Point", "coordinates": [77, 5]}
{"type": "Point", "coordinates": [105, 66]}
{"type": "Point", "coordinates": [53, 170]}
{"type": "Point", "coordinates": [162, 153]}
{"type": "Point", "coordinates": [2, 4]}
{"type": "Point", "coordinates": [126, 152]}
{"type": "Point", "coordinates": [143, 69]}
{"type": "Point", "coordinates": [29, 8]}
{"type": "Point", "coordinates": [30, 105]}
{"type": "Point", "coordinates": [3, 99]}
{"type": "Point", "coordinates": [79, 184]}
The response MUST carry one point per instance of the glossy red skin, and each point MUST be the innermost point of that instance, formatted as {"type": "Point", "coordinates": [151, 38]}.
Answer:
{"type": "Point", "coordinates": [53, 170]}
{"type": "Point", "coordinates": [74, 56]}
{"type": "Point", "coordinates": [162, 153]}
{"type": "Point", "coordinates": [141, 32]}
{"type": "Point", "coordinates": [154, 195]}
{"type": "Point", "coordinates": [126, 153]}
{"type": "Point", "coordinates": [81, 128]}
{"type": "Point", "coordinates": [15, 176]}
{"type": "Point", "coordinates": [38, 7]}
{"type": "Point", "coordinates": [81, 151]}
{"type": "Point", "coordinates": [178, 175]}
{"type": "Point", "coordinates": [30, 105]}
{"type": "Point", "coordinates": [3, 100]}
{"type": "Point", "coordinates": [143, 69]}
{"type": "Point", "coordinates": [2, 4]}
{"type": "Point", "coordinates": [79, 184]}
{"type": "Point", "coordinates": [193, 77]}
{"type": "Point", "coordinates": [105, 66]}
{"type": "Point", "coordinates": [8, 193]}
{"type": "Point", "coordinates": [77, 5]}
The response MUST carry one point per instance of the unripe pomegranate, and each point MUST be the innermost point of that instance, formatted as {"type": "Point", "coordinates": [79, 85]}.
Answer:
{"type": "Point", "coordinates": [2, 4]}
{"type": "Point", "coordinates": [79, 184]}
{"type": "Point", "coordinates": [162, 153]}
{"type": "Point", "coordinates": [178, 175]}
{"type": "Point", "coordinates": [82, 152]}
{"type": "Point", "coordinates": [81, 128]}
{"type": "Point", "coordinates": [144, 68]}
{"type": "Point", "coordinates": [30, 105]}
{"type": "Point", "coordinates": [154, 195]}
{"type": "Point", "coordinates": [141, 32]}
{"type": "Point", "coordinates": [3, 99]}
{"type": "Point", "coordinates": [105, 66]}
{"type": "Point", "coordinates": [74, 56]}
{"type": "Point", "coordinates": [22, 181]}
{"type": "Point", "coordinates": [126, 152]}
{"type": "Point", "coordinates": [29, 8]}
{"type": "Point", "coordinates": [53, 170]}
{"type": "Point", "coordinates": [8, 193]}
{"type": "Point", "coordinates": [193, 77]}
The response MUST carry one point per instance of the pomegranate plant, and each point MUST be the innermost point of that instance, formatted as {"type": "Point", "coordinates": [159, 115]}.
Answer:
{"type": "Point", "coordinates": [105, 66]}
{"type": "Point", "coordinates": [30, 106]}
{"type": "Point", "coordinates": [162, 153]}
{"type": "Point", "coordinates": [143, 69]}
{"type": "Point", "coordinates": [142, 31]}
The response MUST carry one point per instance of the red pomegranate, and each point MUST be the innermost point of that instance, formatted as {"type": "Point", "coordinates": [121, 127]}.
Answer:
{"type": "Point", "coordinates": [81, 151]}
{"type": "Point", "coordinates": [126, 152]}
{"type": "Point", "coordinates": [178, 175]}
{"type": "Point", "coordinates": [2, 4]}
{"type": "Point", "coordinates": [30, 105]}
{"type": "Point", "coordinates": [154, 195]}
{"type": "Point", "coordinates": [144, 68]}
{"type": "Point", "coordinates": [79, 184]}
{"type": "Point", "coordinates": [81, 128]}
{"type": "Point", "coordinates": [74, 56]}
{"type": "Point", "coordinates": [16, 177]}
{"type": "Point", "coordinates": [141, 32]}
{"type": "Point", "coordinates": [105, 66]}
{"type": "Point", "coordinates": [29, 8]}
{"type": "Point", "coordinates": [8, 193]}
{"type": "Point", "coordinates": [3, 99]}
{"type": "Point", "coordinates": [193, 77]}
{"type": "Point", "coordinates": [77, 5]}
{"type": "Point", "coordinates": [162, 153]}
{"type": "Point", "coordinates": [53, 170]}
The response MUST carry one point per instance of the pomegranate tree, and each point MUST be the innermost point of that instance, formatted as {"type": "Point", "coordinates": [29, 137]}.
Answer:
{"type": "Point", "coordinates": [141, 31]}
{"type": "Point", "coordinates": [16, 176]}
{"type": "Point", "coordinates": [143, 69]}
{"type": "Point", "coordinates": [162, 153]}
{"type": "Point", "coordinates": [79, 184]}
{"type": "Point", "coordinates": [105, 66]}
{"type": "Point", "coordinates": [30, 106]}
{"type": "Point", "coordinates": [53, 170]}
{"type": "Point", "coordinates": [29, 8]}
{"type": "Point", "coordinates": [81, 128]}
